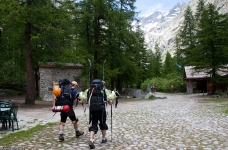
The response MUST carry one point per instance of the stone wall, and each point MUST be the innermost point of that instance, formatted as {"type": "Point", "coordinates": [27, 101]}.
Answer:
{"type": "Point", "coordinates": [52, 73]}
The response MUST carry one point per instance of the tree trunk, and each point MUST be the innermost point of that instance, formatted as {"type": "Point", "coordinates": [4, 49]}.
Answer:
{"type": "Point", "coordinates": [118, 83]}
{"type": "Point", "coordinates": [97, 44]}
{"type": "Point", "coordinates": [112, 83]}
{"type": "Point", "coordinates": [213, 81]}
{"type": "Point", "coordinates": [30, 85]}
{"type": "Point", "coordinates": [95, 72]}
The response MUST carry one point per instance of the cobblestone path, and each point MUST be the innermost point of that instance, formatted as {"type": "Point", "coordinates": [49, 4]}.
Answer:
{"type": "Point", "coordinates": [179, 122]}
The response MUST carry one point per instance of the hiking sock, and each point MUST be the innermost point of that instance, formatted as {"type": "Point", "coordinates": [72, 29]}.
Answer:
{"type": "Point", "coordinates": [91, 140]}
{"type": "Point", "coordinates": [60, 132]}
{"type": "Point", "coordinates": [76, 130]}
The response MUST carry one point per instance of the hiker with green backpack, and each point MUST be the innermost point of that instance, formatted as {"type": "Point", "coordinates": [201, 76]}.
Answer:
{"type": "Point", "coordinates": [97, 96]}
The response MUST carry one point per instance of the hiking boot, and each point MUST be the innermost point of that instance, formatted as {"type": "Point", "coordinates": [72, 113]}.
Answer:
{"type": "Point", "coordinates": [79, 133]}
{"type": "Point", "coordinates": [104, 141]}
{"type": "Point", "coordinates": [91, 145]}
{"type": "Point", "coordinates": [61, 138]}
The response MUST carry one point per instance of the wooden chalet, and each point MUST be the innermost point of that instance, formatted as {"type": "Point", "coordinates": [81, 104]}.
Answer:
{"type": "Point", "coordinates": [199, 81]}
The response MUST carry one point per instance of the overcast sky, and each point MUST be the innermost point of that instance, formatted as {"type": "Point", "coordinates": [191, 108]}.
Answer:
{"type": "Point", "coordinates": [155, 5]}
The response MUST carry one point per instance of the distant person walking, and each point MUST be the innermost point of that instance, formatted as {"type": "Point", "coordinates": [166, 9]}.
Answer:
{"type": "Point", "coordinates": [117, 97]}
{"type": "Point", "coordinates": [154, 87]}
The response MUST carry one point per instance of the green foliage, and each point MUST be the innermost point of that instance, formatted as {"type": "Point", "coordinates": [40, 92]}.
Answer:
{"type": "Point", "coordinates": [152, 97]}
{"type": "Point", "coordinates": [158, 61]}
{"type": "Point", "coordinates": [169, 65]}
{"type": "Point", "coordinates": [11, 92]}
{"type": "Point", "coordinates": [164, 84]}
{"type": "Point", "coordinates": [203, 41]}
{"type": "Point", "coordinates": [185, 38]}
{"type": "Point", "coordinates": [39, 99]}
{"type": "Point", "coordinates": [226, 111]}
{"type": "Point", "coordinates": [72, 32]}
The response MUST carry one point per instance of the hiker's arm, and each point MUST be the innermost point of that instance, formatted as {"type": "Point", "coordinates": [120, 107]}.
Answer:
{"type": "Point", "coordinates": [83, 96]}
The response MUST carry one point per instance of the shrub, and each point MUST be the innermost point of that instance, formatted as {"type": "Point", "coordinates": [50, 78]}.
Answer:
{"type": "Point", "coordinates": [164, 84]}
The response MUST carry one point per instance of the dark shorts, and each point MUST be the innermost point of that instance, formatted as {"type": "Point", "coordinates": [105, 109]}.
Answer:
{"type": "Point", "coordinates": [98, 116]}
{"type": "Point", "coordinates": [69, 114]}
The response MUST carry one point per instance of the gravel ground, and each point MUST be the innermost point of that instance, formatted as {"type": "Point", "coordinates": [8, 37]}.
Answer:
{"type": "Point", "coordinates": [178, 122]}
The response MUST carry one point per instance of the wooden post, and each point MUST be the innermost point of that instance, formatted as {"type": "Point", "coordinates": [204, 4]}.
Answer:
{"type": "Point", "coordinates": [55, 85]}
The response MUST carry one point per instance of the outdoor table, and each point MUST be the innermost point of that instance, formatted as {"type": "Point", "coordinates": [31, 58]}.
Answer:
{"type": "Point", "coordinates": [4, 109]}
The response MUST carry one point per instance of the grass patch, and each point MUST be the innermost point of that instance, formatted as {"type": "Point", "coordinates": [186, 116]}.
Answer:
{"type": "Point", "coordinates": [152, 97]}
{"type": "Point", "coordinates": [219, 100]}
{"type": "Point", "coordinates": [23, 135]}
{"type": "Point", "coordinates": [226, 111]}
{"type": "Point", "coordinates": [39, 99]}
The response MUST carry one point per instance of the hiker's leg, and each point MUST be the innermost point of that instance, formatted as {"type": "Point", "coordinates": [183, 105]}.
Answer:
{"type": "Point", "coordinates": [62, 122]}
{"type": "Point", "coordinates": [74, 120]}
{"type": "Point", "coordinates": [92, 133]}
{"type": "Point", "coordinates": [91, 141]}
{"type": "Point", "coordinates": [61, 126]}
{"type": "Point", "coordinates": [93, 129]}
{"type": "Point", "coordinates": [116, 102]}
{"type": "Point", "coordinates": [103, 126]}
{"type": "Point", "coordinates": [103, 134]}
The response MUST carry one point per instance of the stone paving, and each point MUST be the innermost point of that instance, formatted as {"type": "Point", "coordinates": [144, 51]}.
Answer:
{"type": "Point", "coordinates": [179, 122]}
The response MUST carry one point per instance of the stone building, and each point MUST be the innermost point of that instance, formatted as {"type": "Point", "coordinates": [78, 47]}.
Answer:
{"type": "Point", "coordinates": [50, 73]}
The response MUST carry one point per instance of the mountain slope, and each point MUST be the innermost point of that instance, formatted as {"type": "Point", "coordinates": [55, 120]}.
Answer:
{"type": "Point", "coordinates": [162, 27]}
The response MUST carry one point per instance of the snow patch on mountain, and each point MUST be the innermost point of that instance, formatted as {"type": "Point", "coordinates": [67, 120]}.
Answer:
{"type": "Point", "coordinates": [162, 27]}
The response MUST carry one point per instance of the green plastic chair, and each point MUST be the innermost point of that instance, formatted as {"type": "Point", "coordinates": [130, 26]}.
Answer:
{"type": "Point", "coordinates": [13, 117]}
{"type": "Point", "coordinates": [5, 112]}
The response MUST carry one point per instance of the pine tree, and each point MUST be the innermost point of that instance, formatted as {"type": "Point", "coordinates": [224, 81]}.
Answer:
{"type": "Point", "coordinates": [169, 65]}
{"type": "Point", "coordinates": [199, 10]}
{"type": "Point", "coordinates": [157, 69]}
{"type": "Point", "coordinates": [186, 37]}
{"type": "Point", "coordinates": [40, 27]}
{"type": "Point", "coordinates": [211, 49]}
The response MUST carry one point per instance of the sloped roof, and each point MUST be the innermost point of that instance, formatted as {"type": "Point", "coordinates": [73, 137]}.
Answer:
{"type": "Point", "coordinates": [193, 74]}
{"type": "Point", "coordinates": [58, 65]}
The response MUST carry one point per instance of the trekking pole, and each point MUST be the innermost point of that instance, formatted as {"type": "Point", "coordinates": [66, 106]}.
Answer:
{"type": "Point", "coordinates": [84, 108]}
{"type": "Point", "coordinates": [111, 122]}
{"type": "Point", "coordinates": [90, 71]}
{"type": "Point", "coordinates": [103, 69]}
{"type": "Point", "coordinates": [90, 79]}
{"type": "Point", "coordinates": [77, 100]}
{"type": "Point", "coordinates": [54, 114]}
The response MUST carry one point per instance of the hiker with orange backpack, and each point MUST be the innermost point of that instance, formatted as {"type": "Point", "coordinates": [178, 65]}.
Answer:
{"type": "Point", "coordinates": [66, 96]}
